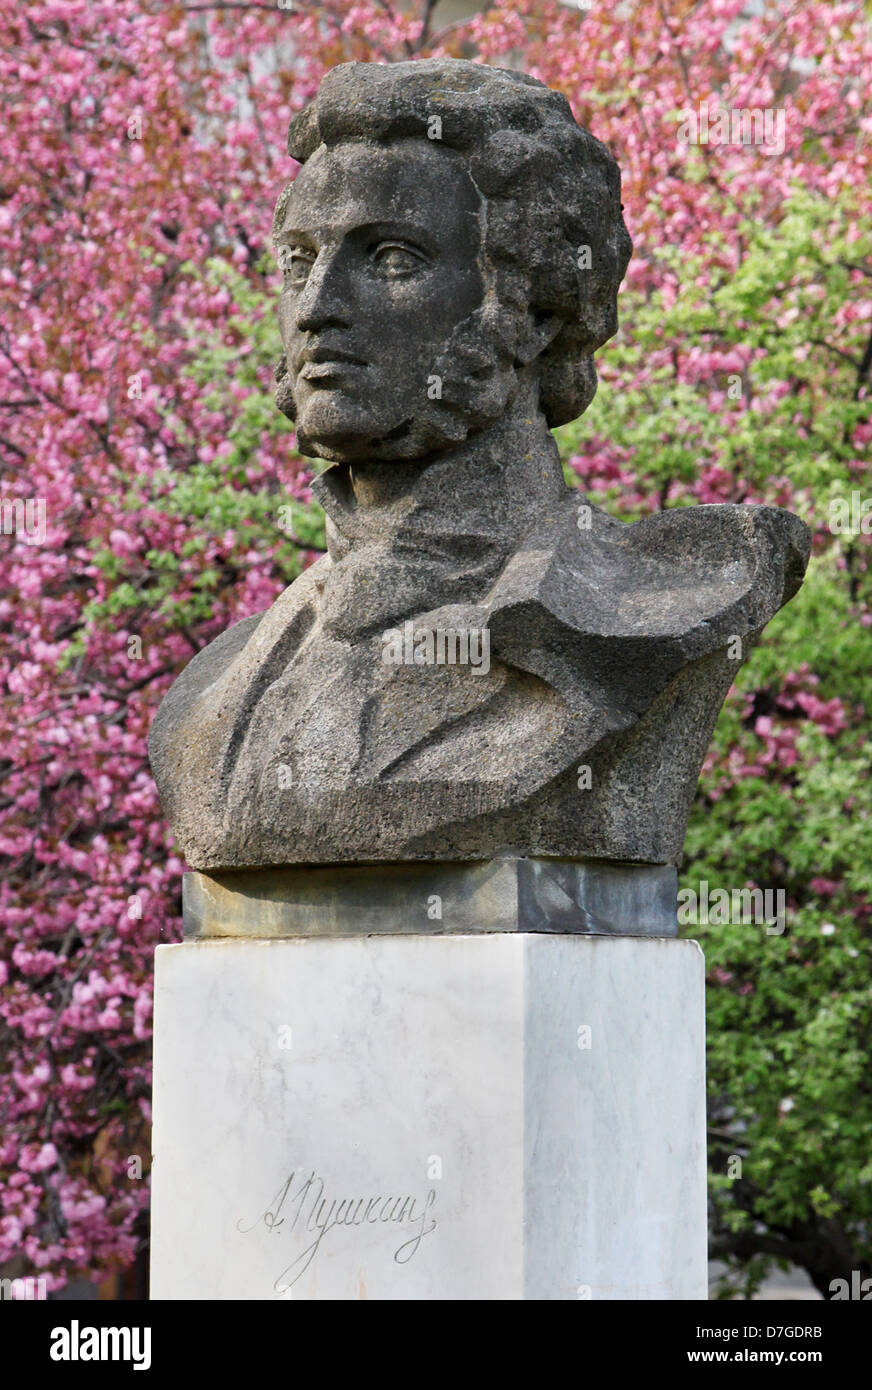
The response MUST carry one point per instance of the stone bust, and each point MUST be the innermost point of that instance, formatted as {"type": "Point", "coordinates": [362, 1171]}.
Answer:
{"type": "Point", "coordinates": [482, 665]}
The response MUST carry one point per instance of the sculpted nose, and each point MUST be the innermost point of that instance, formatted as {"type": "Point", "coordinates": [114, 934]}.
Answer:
{"type": "Point", "coordinates": [324, 300]}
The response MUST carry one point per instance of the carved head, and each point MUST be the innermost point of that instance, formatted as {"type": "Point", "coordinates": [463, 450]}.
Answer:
{"type": "Point", "coordinates": [452, 234]}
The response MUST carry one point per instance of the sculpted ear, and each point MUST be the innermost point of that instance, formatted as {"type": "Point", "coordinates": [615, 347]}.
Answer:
{"type": "Point", "coordinates": [538, 334]}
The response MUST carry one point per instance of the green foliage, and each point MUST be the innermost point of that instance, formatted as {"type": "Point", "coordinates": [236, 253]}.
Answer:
{"type": "Point", "coordinates": [774, 298]}
{"type": "Point", "coordinates": [790, 1016]}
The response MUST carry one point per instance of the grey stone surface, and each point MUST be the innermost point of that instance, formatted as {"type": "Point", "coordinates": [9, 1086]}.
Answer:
{"type": "Point", "coordinates": [452, 249]}
{"type": "Point", "coordinates": [503, 895]}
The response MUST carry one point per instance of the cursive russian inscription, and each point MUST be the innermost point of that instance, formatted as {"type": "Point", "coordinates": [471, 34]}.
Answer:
{"type": "Point", "coordinates": [302, 1208]}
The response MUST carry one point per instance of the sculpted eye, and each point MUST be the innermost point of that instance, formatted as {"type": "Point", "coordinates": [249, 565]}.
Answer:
{"type": "Point", "coordinates": [395, 259]}
{"type": "Point", "coordinates": [296, 263]}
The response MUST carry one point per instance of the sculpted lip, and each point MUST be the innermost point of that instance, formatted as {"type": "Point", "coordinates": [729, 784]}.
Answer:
{"type": "Point", "coordinates": [321, 361]}
{"type": "Point", "coordinates": [334, 366]}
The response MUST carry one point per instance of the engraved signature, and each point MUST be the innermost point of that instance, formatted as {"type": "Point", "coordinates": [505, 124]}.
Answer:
{"type": "Point", "coordinates": [306, 1209]}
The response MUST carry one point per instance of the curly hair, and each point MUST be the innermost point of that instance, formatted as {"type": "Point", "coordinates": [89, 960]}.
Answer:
{"type": "Point", "coordinates": [554, 233]}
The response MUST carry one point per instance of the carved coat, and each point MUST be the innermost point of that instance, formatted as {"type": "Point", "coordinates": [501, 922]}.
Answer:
{"type": "Point", "coordinates": [290, 739]}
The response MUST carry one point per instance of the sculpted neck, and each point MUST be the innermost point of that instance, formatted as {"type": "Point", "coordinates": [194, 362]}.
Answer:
{"type": "Point", "coordinates": [495, 484]}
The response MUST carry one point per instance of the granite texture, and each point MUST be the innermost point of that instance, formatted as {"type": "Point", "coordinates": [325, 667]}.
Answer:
{"type": "Point", "coordinates": [502, 895]}
{"type": "Point", "coordinates": [500, 1117]}
{"type": "Point", "coordinates": [452, 249]}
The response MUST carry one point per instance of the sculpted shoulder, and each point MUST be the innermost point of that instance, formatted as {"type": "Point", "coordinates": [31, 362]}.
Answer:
{"type": "Point", "coordinates": [687, 579]}
{"type": "Point", "coordinates": [207, 704]}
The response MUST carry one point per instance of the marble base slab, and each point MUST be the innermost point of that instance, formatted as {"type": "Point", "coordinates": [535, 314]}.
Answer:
{"type": "Point", "coordinates": [500, 1116]}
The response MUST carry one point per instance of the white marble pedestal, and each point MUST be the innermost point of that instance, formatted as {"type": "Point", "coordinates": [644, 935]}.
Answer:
{"type": "Point", "coordinates": [498, 1116]}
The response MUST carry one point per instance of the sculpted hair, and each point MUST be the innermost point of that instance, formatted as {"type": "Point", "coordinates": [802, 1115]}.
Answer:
{"type": "Point", "coordinates": [554, 234]}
